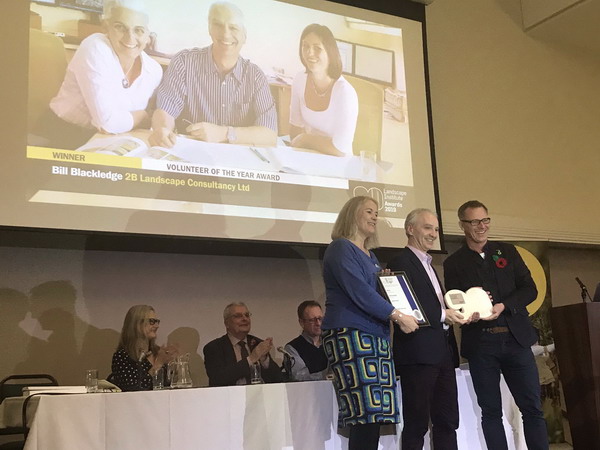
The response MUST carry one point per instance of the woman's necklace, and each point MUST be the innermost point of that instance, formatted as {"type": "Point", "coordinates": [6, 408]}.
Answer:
{"type": "Point", "coordinates": [125, 80]}
{"type": "Point", "coordinates": [320, 94]}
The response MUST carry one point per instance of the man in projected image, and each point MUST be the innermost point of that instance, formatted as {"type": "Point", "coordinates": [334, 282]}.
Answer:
{"type": "Point", "coordinates": [426, 359]}
{"type": "Point", "coordinates": [228, 359]}
{"type": "Point", "coordinates": [500, 343]}
{"type": "Point", "coordinates": [213, 93]}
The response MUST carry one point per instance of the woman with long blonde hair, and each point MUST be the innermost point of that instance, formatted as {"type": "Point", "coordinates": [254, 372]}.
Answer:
{"type": "Point", "coordinates": [138, 357]}
{"type": "Point", "coordinates": [356, 326]}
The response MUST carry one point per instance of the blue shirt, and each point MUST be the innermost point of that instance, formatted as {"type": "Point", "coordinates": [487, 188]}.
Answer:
{"type": "Point", "coordinates": [351, 290]}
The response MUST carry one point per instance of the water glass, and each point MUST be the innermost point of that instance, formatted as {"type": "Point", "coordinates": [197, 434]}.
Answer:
{"type": "Point", "coordinates": [255, 377]}
{"type": "Point", "coordinates": [91, 380]}
{"type": "Point", "coordinates": [368, 161]}
{"type": "Point", "coordinates": [158, 379]}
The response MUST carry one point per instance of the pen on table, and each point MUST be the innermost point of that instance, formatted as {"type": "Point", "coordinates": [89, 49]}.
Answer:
{"type": "Point", "coordinates": [186, 132]}
{"type": "Point", "coordinates": [259, 154]}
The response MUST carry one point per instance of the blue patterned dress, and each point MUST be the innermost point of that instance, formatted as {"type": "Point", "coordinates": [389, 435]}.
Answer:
{"type": "Point", "coordinates": [356, 337]}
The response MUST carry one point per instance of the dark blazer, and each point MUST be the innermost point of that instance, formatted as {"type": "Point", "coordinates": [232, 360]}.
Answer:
{"type": "Point", "coordinates": [223, 369]}
{"type": "Point", "coordinates": [427, 345]}
{"type": "Point", "coordinates": [509, 281]}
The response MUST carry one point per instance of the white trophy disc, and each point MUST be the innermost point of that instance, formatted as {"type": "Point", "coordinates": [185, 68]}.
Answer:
{"type": "Point", "coordinates": [467, 303]}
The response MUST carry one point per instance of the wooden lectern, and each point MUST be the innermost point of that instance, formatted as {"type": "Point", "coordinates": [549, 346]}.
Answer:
{"type": "Point", "coordinates": [576, 330]}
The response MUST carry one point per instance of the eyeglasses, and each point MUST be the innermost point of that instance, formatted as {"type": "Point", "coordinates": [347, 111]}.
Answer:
{"type": "Point", "coordinates": [475, 222]}
{"type": "Point", "coordinates": [314, 320]}
{"type": "Point", "coordinates": [240, 315]}
{"type": "Point", "coordinates": [153, 321]}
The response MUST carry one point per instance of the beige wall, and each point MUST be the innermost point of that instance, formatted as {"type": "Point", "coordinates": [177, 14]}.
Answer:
{"type": "Point", "coordinates": [75, 323]}
{"type": "Point", "coordinates": [514, 122]}
{"type": "Point", "coordinates": [514, 126]}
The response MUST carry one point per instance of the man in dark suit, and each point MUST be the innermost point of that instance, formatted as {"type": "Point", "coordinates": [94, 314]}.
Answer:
{"type": "Point", "coordinates": [426, 359]}
{"type": "Point", "coordinates": [228, 359]}
{"type": "Point", "coordinates": [500, 344]}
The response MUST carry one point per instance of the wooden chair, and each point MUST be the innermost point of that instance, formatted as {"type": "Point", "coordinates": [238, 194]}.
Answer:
{"type": "Point", "coordinates": [370, 115]}
{"type": "Point", "coordinates": [47, 68]}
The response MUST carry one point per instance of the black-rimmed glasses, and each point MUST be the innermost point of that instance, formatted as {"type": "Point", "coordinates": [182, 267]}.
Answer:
{"type": "Point", "coordinates": [475, 222]}
{"type": "Point", "coordinates": [314, 320]}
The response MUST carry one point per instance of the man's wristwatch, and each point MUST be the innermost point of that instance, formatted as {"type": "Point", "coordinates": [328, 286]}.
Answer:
{"type": "Point", "coordinates": [231, 135]}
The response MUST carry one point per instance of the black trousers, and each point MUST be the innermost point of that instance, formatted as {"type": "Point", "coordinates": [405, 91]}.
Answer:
{"type": "Point", "coordinates": [501, 354]}
{"type": "Point", "coordinates": [429, 392]}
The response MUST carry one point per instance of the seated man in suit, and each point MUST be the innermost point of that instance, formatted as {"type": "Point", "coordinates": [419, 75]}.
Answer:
{"type": "Point", "coordinates": [425, 359]}
{"type": "Point", "coordinates": [310, 362]}
{"type": "Point", "coordinates": [227, 359]}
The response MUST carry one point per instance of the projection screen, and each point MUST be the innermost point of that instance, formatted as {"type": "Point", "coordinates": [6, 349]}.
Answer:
{"type": "Point", "coordinates": [369, 133]}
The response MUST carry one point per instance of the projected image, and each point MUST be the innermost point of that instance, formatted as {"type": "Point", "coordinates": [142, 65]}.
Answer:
{"type": "Point", "coordinates": [212, 109]}
{"type": "Point", "coordinates": [85, 5]}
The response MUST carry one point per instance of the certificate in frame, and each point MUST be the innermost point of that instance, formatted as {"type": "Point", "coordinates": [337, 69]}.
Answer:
{"type": "Point", "coordinates": [397, 289]}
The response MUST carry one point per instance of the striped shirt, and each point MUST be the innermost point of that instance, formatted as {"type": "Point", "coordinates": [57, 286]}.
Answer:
{"type": "Point", "coordinates": [193, 89]}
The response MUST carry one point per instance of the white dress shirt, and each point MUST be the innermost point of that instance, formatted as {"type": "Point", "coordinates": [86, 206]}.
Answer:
{"type": "Point", "coordinates": [92, 94]}
{"type": "Point", "coordinates": [425, 259]}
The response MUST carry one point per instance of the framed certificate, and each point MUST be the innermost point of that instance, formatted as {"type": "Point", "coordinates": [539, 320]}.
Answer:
{"type": "Point", "coordinates": [397, 289]}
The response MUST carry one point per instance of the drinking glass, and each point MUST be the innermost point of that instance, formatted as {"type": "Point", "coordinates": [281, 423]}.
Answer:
{"type": "Point", "coordinates": [368, 161]}
{"type": "Point", "coordinates": [158, 379]}
{"type": "Point", "coordinates": [91, 380]}
{"type": "Point", "coordinates": [255, 377]}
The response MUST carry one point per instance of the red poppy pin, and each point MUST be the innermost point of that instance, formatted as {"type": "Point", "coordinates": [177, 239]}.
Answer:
{"type": "Point", "coordinates": [500, 261]}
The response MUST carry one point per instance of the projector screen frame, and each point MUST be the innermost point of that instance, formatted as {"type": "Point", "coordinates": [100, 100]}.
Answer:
{"type": "Point", "coordinates": [16, 119]}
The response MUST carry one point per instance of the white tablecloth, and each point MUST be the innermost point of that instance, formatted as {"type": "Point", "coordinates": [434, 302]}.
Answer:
{"type": "Point", "coordinates": [299, 416]}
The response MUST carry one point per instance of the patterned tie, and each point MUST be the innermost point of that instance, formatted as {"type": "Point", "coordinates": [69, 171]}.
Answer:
{"type": "Point", "coordinates": [243, 350]}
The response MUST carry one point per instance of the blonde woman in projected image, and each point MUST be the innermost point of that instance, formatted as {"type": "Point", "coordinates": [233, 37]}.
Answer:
{"type": "Point", "coordinates": [138, 357]}
{"type": "Point", "coordinates": [109, 82]}
{"type": "Point", "coordinates": [324, 106]}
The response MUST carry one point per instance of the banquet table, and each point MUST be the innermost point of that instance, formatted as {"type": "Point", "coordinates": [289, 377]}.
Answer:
{"type": "Point", "coordinates": [299, 416]}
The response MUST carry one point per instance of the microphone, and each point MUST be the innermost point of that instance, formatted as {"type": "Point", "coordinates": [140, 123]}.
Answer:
{"type": "Point", "coordinates": [288, 362]}
{"type": "Point", "coordinates": [284, 352]}
{"type": "Point", "coordinates": [584, 290]}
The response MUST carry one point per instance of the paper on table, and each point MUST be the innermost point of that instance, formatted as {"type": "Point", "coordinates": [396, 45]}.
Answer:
{"type": "Point", "coordinates": [130, 146]}
{"type": "Point", "coordinates": [29, 390]}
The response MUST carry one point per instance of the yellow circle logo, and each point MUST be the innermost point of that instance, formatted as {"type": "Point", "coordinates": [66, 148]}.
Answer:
{"type": "Point", "coordinates": [539, 277]}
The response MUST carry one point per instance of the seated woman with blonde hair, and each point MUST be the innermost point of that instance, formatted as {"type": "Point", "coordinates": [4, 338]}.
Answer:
{"type": "Point", "coordinates": [108, 84]}
{"type": "Point", "coordinates": [138, 357]}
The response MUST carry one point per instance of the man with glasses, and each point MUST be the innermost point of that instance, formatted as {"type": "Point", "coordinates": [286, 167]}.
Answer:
{"type": "Point", "coordinates": [500, 343]}
{"type": "Point", "coordinates": [426, 360]}
{"type": "Point", "coordinates": [309, 360]}
{"type": "Point", "coordinates": [228, 359]}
